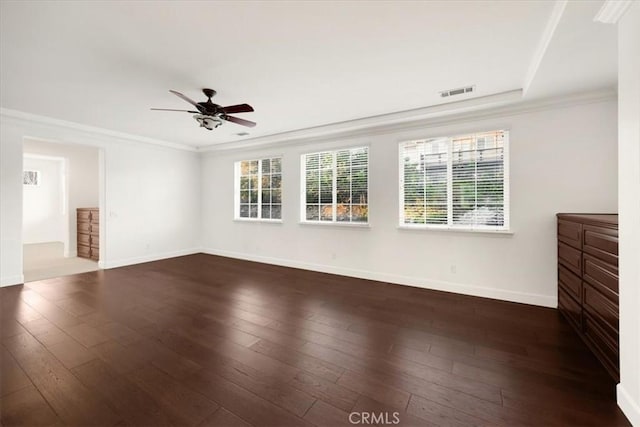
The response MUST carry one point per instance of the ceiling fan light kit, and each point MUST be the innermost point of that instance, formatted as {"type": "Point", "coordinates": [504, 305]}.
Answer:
{"type": "Point", "coordinates": [210, 115]}
{"type": "Point", "coordinates": [208, 122]}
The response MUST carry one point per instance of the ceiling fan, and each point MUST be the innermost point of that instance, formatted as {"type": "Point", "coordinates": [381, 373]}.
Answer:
{"type": "Point", "coordinates": [211, 115]}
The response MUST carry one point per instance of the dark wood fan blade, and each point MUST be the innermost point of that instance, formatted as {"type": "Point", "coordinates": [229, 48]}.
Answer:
{"type": "Point", "coordinates": [170, 109]}
{"type": "Point", "coordinates": [189, 100]}
{"type": "Point", "coordinates": [240, 108]}
{"type": "Point", "coordinates": [239, 121]}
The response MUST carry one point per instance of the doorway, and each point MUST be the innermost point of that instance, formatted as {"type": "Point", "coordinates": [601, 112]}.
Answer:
{"type": "Point", "coordinates": [58, 179]}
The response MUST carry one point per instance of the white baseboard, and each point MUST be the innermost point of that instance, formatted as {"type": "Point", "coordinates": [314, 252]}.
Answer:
{"type": "Point", "coordinates": [629, 407]}
{"type": "Point", "coordinates": [71, 254]}
{"type": "Point", "coordinates": [18, 279]}
{"type": "Point", "coordinates": [419, 282]}
{"type": "Point", "coordinates": [147, 258]}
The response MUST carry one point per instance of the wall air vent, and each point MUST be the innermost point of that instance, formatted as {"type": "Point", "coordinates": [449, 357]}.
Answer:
{"type": "Point", "coordinates": [459, 91]}
{"type": "Point", "coordinates": [242, 133]}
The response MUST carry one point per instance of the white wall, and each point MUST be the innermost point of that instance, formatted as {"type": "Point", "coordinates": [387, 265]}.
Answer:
{"type": "Point", "coordinates": [561, 159]}
{"type": "Point", "coordinates": [44, 205]}
{"type": "Point", "coordinates": [10, 205]}
{"type": "Point", "coordinates": [82, 165]}
{"type": "Point", "coordinates": [629, 208]}
{"type": "Point", "coordinates": [150, 199]}
{"type": "Point", "coordinates": [153, 203]}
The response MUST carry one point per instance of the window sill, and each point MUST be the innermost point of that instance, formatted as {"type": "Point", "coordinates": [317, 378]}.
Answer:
{"type": "Point", "coordinates": [335, 224]}
{"type": "Point", "coordinates": [456, 230]}
{"type": "Point", "coordinates": [262, 221]}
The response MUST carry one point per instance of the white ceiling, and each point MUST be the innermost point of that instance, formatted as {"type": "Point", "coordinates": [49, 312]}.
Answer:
{"type": "Point", "coordinates": [299, 64]}
{"type": "Point", "coordinates": [582, 54]}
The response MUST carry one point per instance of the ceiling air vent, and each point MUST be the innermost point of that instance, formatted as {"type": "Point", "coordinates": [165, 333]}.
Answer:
{"type": "Point", "coordinates": [459, 91]}
{"type": "Point", "coordinates": [242, 133]}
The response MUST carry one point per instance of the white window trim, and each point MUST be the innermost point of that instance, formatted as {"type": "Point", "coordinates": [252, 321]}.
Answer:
{"type": "Point", "coordinates": [236, 191]}
{"type": "Point", "coordinates": [253, 220]}
{"type": "Point", "coordinates": [505, 229]}
{"type": "Point", "coordinates": [335, 224]}
{"type": "Point", "coordinates": [334, 196]}
{"type": "Point", "coordinates": [446, 229]}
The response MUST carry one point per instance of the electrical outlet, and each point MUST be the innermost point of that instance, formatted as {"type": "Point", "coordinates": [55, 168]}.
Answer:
{"type": "Point", "coordinates": [454, 268]}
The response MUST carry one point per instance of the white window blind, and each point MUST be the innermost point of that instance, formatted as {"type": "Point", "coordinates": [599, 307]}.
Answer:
{"type": "Point", "coordinates": [455, 182]}
{"type": "Point", "coordinates": [259, 189]}
{"type": "Point", "coordinates": [336, 186]}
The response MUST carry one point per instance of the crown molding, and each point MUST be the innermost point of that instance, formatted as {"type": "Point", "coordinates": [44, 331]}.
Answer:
{"type": "Point", "coordinates": [612, 10]}
{"type": "Point", "coordinates": [367, 123]}
{"type": "Point", "coordinates": [543, 44]}
{"type": "Point", "coordinates": [343, 131]}
{"type": "Point", "coordinates": [492, 106]}
{"type": "Point", "coordinates": [34, 119]}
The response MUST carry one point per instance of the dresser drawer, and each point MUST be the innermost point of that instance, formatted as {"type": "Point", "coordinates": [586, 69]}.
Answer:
{"type": "Point", "coordinates": [570, 258]}
{"type": "Point", "coordinates": [571, 283]}
{"type": "Point", "coordinates": [94, 241]}
{"type": "Point", "coordinates": [601, 242]}
{"type": "Point", "coordinates": [602, 276]}
{"type": "Point", "coordinates": [84, 227]}
{"type": "Point", "coordinates": [570, 233]}
{"type": "Point", "coordinates": [84, 215]}
{"type": "Point", "coordinates": [603, 345]}
{"type": "Point", "coordinates": [94, 254]}
{"type": "Point", "coordinates": [601, 309]}
{"type": "Point", "coordinates": [84, 251]}
{"type": "Point", "coordinates": [84, 239]}
{"type": "Point", "coordinates": [95, 216]}
{"type": "Point", "coordinates": [570, 309]}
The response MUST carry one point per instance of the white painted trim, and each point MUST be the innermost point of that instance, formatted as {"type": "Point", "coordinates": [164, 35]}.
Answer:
{"type": "Point", "coordinates": [102, 207]}
{"type": "Point", "coordinates": [543, 44]}
{"type": "Point", "coordinates": [342, 131]}
{"type": "Point", "coordinates": [71, 254]}
{"type": "Point", "coordinates": [365, 225]}
{"type": "Point", "coordinates": [367, 123]}
{"type": "Point", "coordinates": [12, 280]}
{"type": "Point", "coordinates": [29, 118]}
{"type": "Point", "coordinates": [258, 220]}
{"type": "Point", "coordinates": [419, 282]}
{"type": "Point", "coordinates": [27, 155]}
{"type": "Point", "coordinates": [147, 258]}
{"type": "Point", "coordinates": [612, 10]}
{"type": "Point", "coordinates": [445, 229]}
{"type": "Point", "coordinates": [497, 105]}
{"type": "Point", "coordinates": [630, 408]}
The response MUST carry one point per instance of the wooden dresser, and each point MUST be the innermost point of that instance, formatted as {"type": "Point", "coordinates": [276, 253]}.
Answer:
{"type": "Point", "coordinates": [88, 220]}
{"type": "Point", "coordinates": [588, 282]}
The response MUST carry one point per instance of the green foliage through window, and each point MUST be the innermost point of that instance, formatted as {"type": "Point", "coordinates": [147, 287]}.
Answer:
{"type": "Point", "coordinates": [259, 188]}
{"type": "Point", "coordinates": [457, 182]}
{"type": "Point", "coordinates": [336, 185]}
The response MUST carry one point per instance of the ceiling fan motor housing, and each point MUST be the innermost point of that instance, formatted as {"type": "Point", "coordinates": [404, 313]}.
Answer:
{"type": "Point", "coordinates": [209, 93]}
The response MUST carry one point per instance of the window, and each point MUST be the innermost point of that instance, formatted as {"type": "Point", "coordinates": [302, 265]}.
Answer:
{"type": "Point", "coordinates": [336, 186]}
{"type": "Point", "coordinates": [455, 182]}
{"type": "Point", "coordinates": [31, 177]}
{"type": "Point", "coordinates": [259, 189]}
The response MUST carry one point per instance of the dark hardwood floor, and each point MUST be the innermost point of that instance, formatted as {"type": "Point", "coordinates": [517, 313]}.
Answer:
{"type": "Point", "coordinates": [204, 340]}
